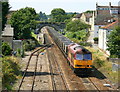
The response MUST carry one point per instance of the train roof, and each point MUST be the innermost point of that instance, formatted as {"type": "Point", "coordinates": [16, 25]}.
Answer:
{"type": "Point", "coordinates": [78, 48]}
{"type": "Point", "coordinates": [66, 41]}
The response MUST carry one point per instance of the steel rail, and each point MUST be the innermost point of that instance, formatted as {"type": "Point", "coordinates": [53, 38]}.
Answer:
{"type": "Point", "coordinates": [36, 50]}
{"type": "Point", "coordinates": [61, 73]}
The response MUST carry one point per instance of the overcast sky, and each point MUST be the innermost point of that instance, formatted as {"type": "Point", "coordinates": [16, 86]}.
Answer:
{"type": "Point", "coordinates": [68, 5]}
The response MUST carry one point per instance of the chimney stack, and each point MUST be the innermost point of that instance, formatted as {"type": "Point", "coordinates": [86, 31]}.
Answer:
{"type": "Point", "coordinates": [110, 4]}
{"type": "Point", "coordinates": [96, 4]}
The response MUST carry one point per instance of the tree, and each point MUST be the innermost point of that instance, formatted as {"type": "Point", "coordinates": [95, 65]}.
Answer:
{"type": "Point", "coordinates": [76, 30]}
{"type": "Point", "coordinates": [114, 43]}
{"type": "Point", "coordinates": [23, 22]}
{"type": "Point", "coordinates": [6, 50]}
{"type": "Point", "coordinates": [69, 16]}
{"type": "Point", "coordinates": [5, 10]}
{"type": "Point", "coordinates": [89, 11]}
{"type": "Point", "coordinates": [77, 25]}
{"type": "Point", "coordinates": [58, 15]}
{"type": "Point", "coordinates": [42, 16]}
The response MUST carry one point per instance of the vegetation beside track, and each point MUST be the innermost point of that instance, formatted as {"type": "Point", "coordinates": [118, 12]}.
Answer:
{"type": "Point", "coordinates": [11, 71]}
{"type": "Point", "coordinates": [77, 31]}
{"type": "Point", "coordinates": [103, 65]}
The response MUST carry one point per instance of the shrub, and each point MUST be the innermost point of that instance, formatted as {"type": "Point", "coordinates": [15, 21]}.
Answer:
{"type": "Point", "coordinates": [74, 35]}
{"type": "Point", "coordinates": [10, 70]}
{"type": "Point", "coordinates": [18, 52]}
{"type": "Point", "coordinates": [23, 53]}
{"type": "Point", "coordinates": [99, 63]}
{"type": "Point", "coordinates": [79, 38]}
{"type": "Point", "coordinates": [30, 44]}
{"type": "Point", "coordinates": [6, 50]}
{"type": "Point", "coordinates": [95, 39]}
{"type": "Point", "coordinates": [86, 44]}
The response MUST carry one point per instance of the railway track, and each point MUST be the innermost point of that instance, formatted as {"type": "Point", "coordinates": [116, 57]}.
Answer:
{"type": "Point", "coordinates": [90, 83]}
{"type": "Point", "coordinates": [57, 76]}
{"type": "Point", "coordinates": [61, 76]}
{"type": "Point", "coordinates": [26, 71]}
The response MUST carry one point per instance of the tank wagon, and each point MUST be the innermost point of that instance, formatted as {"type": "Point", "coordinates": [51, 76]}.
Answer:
{"type": "Point", "coordinates": [79, 58]}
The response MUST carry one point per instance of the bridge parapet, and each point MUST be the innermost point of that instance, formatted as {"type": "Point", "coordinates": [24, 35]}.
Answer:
{"type": "Point", "coordinates": [57, 25]}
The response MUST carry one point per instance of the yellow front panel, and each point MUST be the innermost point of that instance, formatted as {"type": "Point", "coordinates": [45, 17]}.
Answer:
{"type": "Point", "coordinates": [82, 63]}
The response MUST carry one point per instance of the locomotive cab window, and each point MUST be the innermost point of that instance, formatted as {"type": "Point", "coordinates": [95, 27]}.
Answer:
{"type": "Point", "coordinates": [83, 57]}
{"type": "Point", "coordinates": [87, 56]}
{"type": "Point", "coordinates": [79, 56]}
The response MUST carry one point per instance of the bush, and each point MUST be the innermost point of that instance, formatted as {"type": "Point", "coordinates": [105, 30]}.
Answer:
{"type": "Point", "coordinates": [79, 35]}
{"type": "Point", "coordinates": [99, 63]}
{"type": "Point", "coordinates": [6, 50]}
{"type": "Point", "coordinates": [10, 70]}
{"type": "Point", "coordinates": [23, 53]}
{"type": "Point", "coordinates": [20, 53]}
{"type": "Point", "coordinates": [86, 44]}
{"type": "Point", "coordinates": [30, 44]}
{"type": "Point", "coordinates": [95, 39]}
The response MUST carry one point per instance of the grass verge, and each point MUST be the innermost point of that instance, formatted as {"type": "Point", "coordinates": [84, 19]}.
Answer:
{"type": "Point", "coordinates": [103, 65]}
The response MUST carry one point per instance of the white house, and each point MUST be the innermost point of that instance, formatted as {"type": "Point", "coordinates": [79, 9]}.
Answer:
{"type": "Point", "coordinates": [103, 32]}
{"type": "Point", "coordinates": [104, 15]}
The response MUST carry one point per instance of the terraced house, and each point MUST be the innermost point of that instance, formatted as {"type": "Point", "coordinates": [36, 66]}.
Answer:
{"type": "Point", "coordinates": [106, 21]}
{"type": "Point", "coordinates": [104, 15]}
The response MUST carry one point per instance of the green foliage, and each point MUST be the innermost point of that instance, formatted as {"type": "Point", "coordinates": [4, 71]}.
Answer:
{"type": "Point", "coordinates": [68, 17]}
{"type": "Point", "coordinates": [89, 11]}
{"type": "Point", "coordinates": [30, 44]}
{"type": "Point", "coordinates": [6, 50]}
{"type": "Point", "coordinates": [79, 35]}
{"type": "Point", "coordinates": [95, 39]}
{"type": "Point", "coordinates": [86, 44]}
{"type": "Point", "coordinates": [42, 16]}
{"type": "Point", "coordinates": [23, 53]}
{"type": "Point", "coordinates": [77, 25]}
{"type": "Point", "coordinates": [5, 10]}
{"type": "Point", "coordinates": [23, 22]}
{"type": "Point", "coordinates": [18, 52]}
{"type": "Point", "coordinates": [98, 63]}
{"type": "Point", "coordinates": [67, 21]}
{"type": "Point", "coordinates": [58, 15]}
{"type": "Point", "coordinates": [114, 43]}
{"type": "Point", "coordinates": [10, 70]}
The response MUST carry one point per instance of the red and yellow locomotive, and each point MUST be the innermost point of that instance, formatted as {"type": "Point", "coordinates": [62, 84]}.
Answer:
{"type": "Point", "coordinates": [79, 58]}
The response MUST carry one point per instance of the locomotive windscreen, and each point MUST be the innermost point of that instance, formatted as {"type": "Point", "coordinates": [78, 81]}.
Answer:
{"type": "Point", "coordinates": [83, 56]}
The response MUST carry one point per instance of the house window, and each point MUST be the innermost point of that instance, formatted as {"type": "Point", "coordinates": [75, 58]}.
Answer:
{"type": "Point", "coordinates": [106, 8]}
{"type": "Point", "coordinates": [100, 9]}
{"type": "Point", "coordinates": [87, 19]}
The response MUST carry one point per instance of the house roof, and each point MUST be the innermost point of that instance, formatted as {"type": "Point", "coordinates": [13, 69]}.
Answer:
{"type": "Point", "coordinates": [104, 21]}
{"type": "Point", "coordinates": [88, 15]}
{"type": "Point", "coordinates": [103, 6]}
{"type": "Point", "coordinates": [78, 15]}
{"type": "Point", "coordinates": [115, 6]}
{"type": "Point", "coordinates": [108, 6]}
{"type": "Point", "coordinates": [111, 25]}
